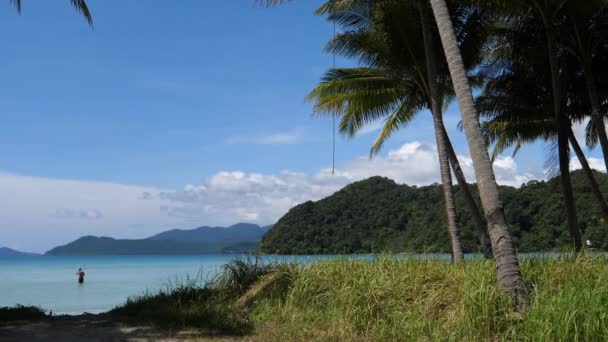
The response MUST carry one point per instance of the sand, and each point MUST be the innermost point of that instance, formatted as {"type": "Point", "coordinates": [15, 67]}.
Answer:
{"type": "Point", "coordinates": [94, 328]}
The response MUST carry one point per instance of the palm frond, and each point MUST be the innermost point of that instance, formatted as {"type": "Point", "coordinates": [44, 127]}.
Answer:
{"type": "Point", "coordinates": [359, 95]}
{"type": "Point", "coordinates": [366, 45]}
{"type": "Point", "coordinates": [17, 4]}
{"type": "Point", "coordinates": [79, 5]}
{"type": "Point", "coordinates": [400, 117]}
{"type": "Point", "coordinates": [502, 143]}
{"type": "Point", "coordinates": [552, 159]}
{"type": "Point", "coordinates": [271, 3]}
{"type": "Point", "coordinates": [591, 136]}
{"type": "Point", "coordinates": [506, 134]}
{"type": "Point", "coordinates": [351, 14]}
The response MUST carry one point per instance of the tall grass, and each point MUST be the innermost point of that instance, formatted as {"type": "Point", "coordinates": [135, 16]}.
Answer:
{"type": "Point", "coordinates": [197, 303]}
{"type": "Point", "coordinates": [390, 299]}
{"type": "Point", "coordinates": [431, 300]}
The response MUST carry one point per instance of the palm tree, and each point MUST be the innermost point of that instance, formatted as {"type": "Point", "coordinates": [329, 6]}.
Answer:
{"type": "Point", "coordinates": [547, 10]}
{"type": "Point", "coordinates": [440, 131]}
{"type": "Point", "coordinates": [79, 5]}
{"type": "Point", "coordinates": [397, 88]}
{"type": "Point", "coordinates": [508, 272]}
{"type": "Point", "coordinates": [557, 23]}
{"type": "Point", "coordinates": [359, 13]}
{"type": "Point", "coordinates": [484, 239]}
{"type": "Point", "coordinates": [398, 50]}
{"type": "Point", "coordinates": [584, 36]}
{"type": "Point", "coordinates": [517, 108]}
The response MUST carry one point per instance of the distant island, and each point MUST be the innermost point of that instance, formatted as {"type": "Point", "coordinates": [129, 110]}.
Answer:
{"type": "Point", "coordinates": [6, 252]}
{"type": "Point", "coordinates": [378, 215]}
{"type": "Point", "coordinates": [239, 238]}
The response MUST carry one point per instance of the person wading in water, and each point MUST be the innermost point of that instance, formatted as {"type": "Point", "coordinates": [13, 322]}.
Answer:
{"type": "Point", "coordinates": [80, 275]}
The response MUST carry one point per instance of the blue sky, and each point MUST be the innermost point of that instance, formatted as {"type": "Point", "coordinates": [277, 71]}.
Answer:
{"type": "Point", "coordinates": [154, 95]}
{"type": "Point", "coordinates": [187, 102]}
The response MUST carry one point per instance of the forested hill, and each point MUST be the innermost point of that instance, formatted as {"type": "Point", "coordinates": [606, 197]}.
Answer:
{"type": "Point", "coordinates": [377, 215]}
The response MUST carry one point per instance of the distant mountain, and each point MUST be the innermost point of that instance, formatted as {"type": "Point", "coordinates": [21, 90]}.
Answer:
{"type": "Point", "coordinates": [240, 232]}
{"type": "Point", "coordinates": [92, 245]}
{"type": "Point", "coordinates": [6, 252]}
{"type": "Point", "coordinates": [378, 215]}
{"type": "Point", "coordinates": [239, 238]}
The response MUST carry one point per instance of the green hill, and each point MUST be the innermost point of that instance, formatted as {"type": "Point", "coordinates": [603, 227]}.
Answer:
{"type": "Point", "coordinates": [377, 215]}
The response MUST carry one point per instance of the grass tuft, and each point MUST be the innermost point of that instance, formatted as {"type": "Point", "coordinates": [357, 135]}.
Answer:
{"type": "Point", "coordinates": [21, 313]}
{"type": "Point", "coordinates": [210, 305]}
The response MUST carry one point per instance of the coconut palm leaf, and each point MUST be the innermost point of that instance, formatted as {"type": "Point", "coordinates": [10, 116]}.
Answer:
{"type": "Point", "coordinates": [359, 96]}
{"type": "Point", "coordinates": [398, 119]}
{"type": "Point", "coordinates": [79, 5]}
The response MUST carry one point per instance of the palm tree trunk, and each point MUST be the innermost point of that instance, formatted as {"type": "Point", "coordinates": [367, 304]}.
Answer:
{"type": "Point", "coordinates": [508, 273]}
{"type": "Point", "coordinates": [484, 239]}
{"type": "Point", "coordinates": [563, 126]}
{"type": "Point", "coordinates": [444, 163]}
{"type": "Point", "coordinates": [595, 188]}
{"type": "Point", "coordinates": [447, 187]}
{"type": "Point", "coordinates": [566, 183]}
{"type": "Point", "coordinates": [596, 113]}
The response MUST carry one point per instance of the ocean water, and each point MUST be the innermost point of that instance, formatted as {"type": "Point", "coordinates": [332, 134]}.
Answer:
{"type": "Point", "coordinates": [51, 282]}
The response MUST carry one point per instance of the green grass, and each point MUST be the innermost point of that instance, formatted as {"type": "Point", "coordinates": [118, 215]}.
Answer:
{"type": "Point", "coordinates": [390, 299]}
{"type": "Point", "coordinates": [21, 313]}
{"type": "Point", "coordinates": [193, 303]}
{"type": "Point", "coordinates": [430, 300]}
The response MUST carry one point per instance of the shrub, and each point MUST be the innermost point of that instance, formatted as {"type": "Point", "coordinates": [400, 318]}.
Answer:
{"type": "Point", "coordinates": [21, 313]}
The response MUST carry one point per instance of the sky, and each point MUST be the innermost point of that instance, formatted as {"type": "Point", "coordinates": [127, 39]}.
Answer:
{"type": "Point", "coordinates": [183, 114]}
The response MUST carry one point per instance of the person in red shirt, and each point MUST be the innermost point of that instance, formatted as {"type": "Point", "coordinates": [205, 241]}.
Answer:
{"type": "Point", "coordinates": [80, 275]}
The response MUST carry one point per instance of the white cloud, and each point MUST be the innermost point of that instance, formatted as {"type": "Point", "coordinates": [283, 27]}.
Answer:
{"type": "Point", "coordinates": [280, 138]}
{"type": "Point", "coordinates": [52, 211]}
{"type": "Point", "coordinates": [84, 214]}
{"type": "Point", "coordinates": [227, 197]}
{"type": "Point", "coordinates": [594, 163]}
{"type": "Point", "coordinates": [579, 132]}
{"type": "Point", "coordinates": [283, 138]}
{"type": "Point", "coordinates": [38, 213]}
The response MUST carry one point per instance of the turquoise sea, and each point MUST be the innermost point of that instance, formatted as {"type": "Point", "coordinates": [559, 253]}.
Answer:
{"type": "Point", "coordinates": [51, 283]}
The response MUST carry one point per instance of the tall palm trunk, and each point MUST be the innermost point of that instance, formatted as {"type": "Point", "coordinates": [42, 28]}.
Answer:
{"type": "Point", "coordinates": [563, 126]}
{"type": "Point", "coordinates": [444, 162]}
{"type": "Point", "coordinates": [508, 273]}
{"type": "Point", "coordinates": [446, 184]}
{"type": "Point", "coordinates": [595, 188]}
{"type": "Point", "coordinates": [484, 239]}
{"type": "Point", "coordinates": [566, 183]}
{"type": "Point", "coordinates": [596, 112]}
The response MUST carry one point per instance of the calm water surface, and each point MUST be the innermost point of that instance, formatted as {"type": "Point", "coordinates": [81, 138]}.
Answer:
{"type": "Point", "coordinates": [51, 283]}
